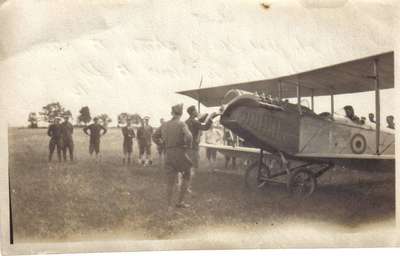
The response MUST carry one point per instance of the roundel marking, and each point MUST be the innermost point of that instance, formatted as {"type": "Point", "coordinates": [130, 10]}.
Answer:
{"type": "Point", "coordinates": [358, 144]}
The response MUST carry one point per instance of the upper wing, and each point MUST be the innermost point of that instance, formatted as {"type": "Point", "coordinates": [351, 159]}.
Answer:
{"type": "Point", "coordinates": [251, 152]}
{"type": "Point", "coordinates": [347, 77]}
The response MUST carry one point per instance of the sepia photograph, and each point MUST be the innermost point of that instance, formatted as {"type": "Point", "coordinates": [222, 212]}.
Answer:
{"type": "Point", "coordinates": [134, 125]}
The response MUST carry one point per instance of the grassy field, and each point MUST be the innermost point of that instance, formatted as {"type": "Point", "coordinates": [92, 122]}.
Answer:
{"type": "Point", "coordinates": [84, 199]}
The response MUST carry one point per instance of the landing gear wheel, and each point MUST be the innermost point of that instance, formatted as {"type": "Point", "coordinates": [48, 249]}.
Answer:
{"type": "Point", "coordinates": [254, 179]}
{"type": "Point", "coordinates": [302, 183]}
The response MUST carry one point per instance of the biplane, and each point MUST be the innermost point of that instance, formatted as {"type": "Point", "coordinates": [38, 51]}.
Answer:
{"type": "Point", "coordinates": [293, 142]}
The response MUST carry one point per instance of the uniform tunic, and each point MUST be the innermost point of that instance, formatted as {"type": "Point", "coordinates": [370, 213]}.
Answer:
{"type": "Point", "coordinates": [144, 134]}
{"type": "Point", "coordinates": [128, 134]}
{"type": "Point", "coordinates": [177, 138]}
{"type": "Point", "coordinates": [158, 141]}
{"type": "Point", "coordinates": [54, 132]}
{"type": "Point", "coordinates": [196, 127]}
{"type": "Point", "coordinates": [230, 140]}
{"type": "Point", "coordinates": [213, 137]}
{"type": "Point", "coordinates": [67, 131]}
{"type": "Point", "coordinates": [68, 143]}
{"type": "Point", "coordinates": [94, 142]}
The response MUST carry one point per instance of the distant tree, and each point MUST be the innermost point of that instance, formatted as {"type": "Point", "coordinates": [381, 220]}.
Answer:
{"type": "Point", "coordinates": [84, 115]}
{"type": "Point", "coordinates": [105, 119]}
{"type": "Point", "coordinates": [122, 118]}
{"type": "Point", "coordinates": [53, 110]}
{"type": "Point", "coordinates": [33, 120]}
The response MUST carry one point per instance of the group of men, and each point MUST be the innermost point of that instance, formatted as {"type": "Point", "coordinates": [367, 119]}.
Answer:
{"type": "Point", "coordinates": [144, 140]}
{"type": "Point", "coordinates": [61, 138]}
{"type": "Point", "coordinates": [389, 120]}
{"type": "Point", "coordinates": [371, 117]}
{"type": "Point", "coordinates": [216, 136]}
{"type": "Point", "coordinates": [177, 144]}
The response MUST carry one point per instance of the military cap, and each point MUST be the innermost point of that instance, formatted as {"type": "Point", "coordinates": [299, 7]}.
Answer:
{"type": "Point", "coordinates": [95, 119]}
{"type": "Point", "coordinates": [146, 118]}
{"type": "Point", "coordinates": [177, 109]}
{"type": "Point", "coordinates": [191, 109]}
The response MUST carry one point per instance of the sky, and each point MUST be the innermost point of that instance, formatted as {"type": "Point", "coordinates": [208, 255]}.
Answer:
{"type": "Point", "coordinates": [133, 55]}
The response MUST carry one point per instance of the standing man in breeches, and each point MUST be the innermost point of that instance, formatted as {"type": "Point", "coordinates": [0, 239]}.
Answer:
{"type": "Point", "coordinates": [127, 145]}
{"type": "Point", "coordinates": [68, 142]}
{"type": "Point", "coordinates": [96, 131]}
{"type": "Point", "coordinates": [54, 132]}
{"type": "Point", "coordinates": [196, 125]}
{"type": "Point", "coordinates": [177, 139]}
{"type": "Point", "coordinates": [144, 135]}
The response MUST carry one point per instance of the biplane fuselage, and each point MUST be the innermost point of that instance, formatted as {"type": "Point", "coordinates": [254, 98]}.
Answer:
{"type": "Point", "coordinates": [283, 128]}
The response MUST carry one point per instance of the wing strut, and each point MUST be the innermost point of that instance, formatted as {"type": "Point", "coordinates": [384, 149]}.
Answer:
{"type": "Point", "coordinates": [298, 95]}
{"type": "Point", "coordinates": [312, 99]}
{"type": "Point", "coordinates": [377, 105]}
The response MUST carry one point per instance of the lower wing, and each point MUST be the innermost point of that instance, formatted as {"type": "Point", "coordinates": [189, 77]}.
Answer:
{"type": "Point", "coordinates": [253, 152]}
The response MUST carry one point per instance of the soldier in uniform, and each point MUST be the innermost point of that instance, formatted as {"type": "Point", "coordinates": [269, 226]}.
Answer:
{"type": "Point", "coordinates": [144, 135]}
{"type": "Point", "coordinates": [390, 122]}
{"type": "Point", "coordinates": [230, 140]}
{"type": "Point", "coordinates": [177, 138]}
{"type": "Point", "coordinates": [54, 132]}
{"type": "Point", "coordinates": [196, 125]}
{"type": "Point", "coordinates": [95, 134]}
{"type": "Point", "coordinates": [349, 110]}
{"type": "Point", "coordinates": [129, 135]}
{"type": "Point", "coordinates": [160, 144]}
{"type": "Point", "coordinates": [68, 143]}
{"type": "Point", "coordinates": [371, 117]}
{"type": "Point", "coordinates": [214, 137]}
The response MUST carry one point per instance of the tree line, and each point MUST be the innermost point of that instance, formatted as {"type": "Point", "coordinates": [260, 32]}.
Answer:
{"type": "Point", "coordinates": [55, 110]}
